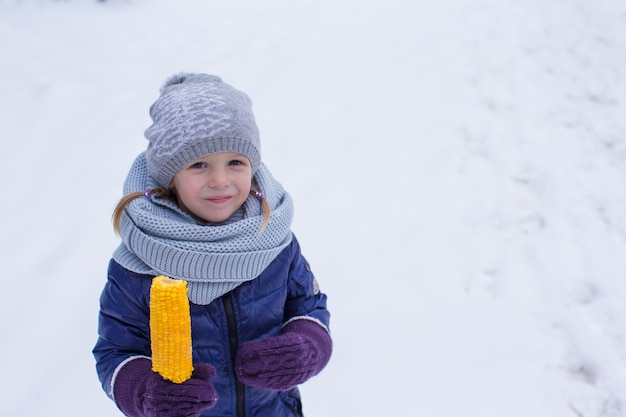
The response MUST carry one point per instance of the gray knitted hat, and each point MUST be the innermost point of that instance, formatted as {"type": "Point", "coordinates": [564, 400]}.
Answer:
{"type": "Point", "coordinates": [197, 115]}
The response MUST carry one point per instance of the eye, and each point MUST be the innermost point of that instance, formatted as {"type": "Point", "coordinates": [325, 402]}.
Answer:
{"type": "Point", "coordinates": [198, 165]}
{"type": "Point", "coordinates": [236, 162]}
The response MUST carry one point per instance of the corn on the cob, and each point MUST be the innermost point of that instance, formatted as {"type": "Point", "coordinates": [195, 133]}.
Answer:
{"type": "Point", "coordinates": [170, 329]}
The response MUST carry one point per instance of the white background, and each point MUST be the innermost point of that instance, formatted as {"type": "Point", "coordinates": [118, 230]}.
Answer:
{"type": "Point", "coordinates": [458, 169]}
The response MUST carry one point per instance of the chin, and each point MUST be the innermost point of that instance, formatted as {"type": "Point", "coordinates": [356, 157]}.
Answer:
{"type": "Point", "coordinates": [216, 219]}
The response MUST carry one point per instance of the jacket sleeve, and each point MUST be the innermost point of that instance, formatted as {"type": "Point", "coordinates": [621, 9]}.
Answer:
{"type": "Point", "coordinates": [123, 322]}
{"type": "Point", "coordinates": [305, 299]}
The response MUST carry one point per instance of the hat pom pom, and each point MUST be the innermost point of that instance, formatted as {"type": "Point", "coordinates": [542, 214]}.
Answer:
{"type": "Point", "coordinates": [188, 77]}
{"type": "Point", "coordinates": [175, 79]}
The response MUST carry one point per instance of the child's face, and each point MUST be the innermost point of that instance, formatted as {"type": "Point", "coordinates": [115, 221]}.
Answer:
{"type": "Point", "coordinates": [213, 187]}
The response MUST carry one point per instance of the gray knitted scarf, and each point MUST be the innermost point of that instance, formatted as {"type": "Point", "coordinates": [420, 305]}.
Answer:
{"type": "Point", "coordinates": [158, 238]}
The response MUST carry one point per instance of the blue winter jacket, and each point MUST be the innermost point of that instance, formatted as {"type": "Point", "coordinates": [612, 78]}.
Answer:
{"type": "Point", "coordinates": [254, 310]}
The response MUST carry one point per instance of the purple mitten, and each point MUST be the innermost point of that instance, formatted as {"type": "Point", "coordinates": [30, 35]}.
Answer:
{"type": "Point", "coordinates": [282, 362]}
{"type": "Point", "coordinates": [140, 392]}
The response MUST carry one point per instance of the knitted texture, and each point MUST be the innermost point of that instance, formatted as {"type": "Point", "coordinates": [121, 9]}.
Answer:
{"type": "Point", "coordinates": [158, 238]}
{"type": "Point", "coordinates": [280, 363]}
{"type": "Point", "coordinates": [197, 115]}
{"type": "Point", "coordinates": [140, 392]}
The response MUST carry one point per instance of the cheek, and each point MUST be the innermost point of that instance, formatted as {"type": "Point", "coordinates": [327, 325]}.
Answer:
{"type": "Point", "coordinates": [186, 190]}
{"type": "Point", "coordinates": [244, 182]}
{"type": "Point", "coordinates": [246, 188]}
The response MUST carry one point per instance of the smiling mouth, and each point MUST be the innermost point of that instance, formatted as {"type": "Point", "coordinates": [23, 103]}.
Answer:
{"type": "Point", "coordinates": [219, 200]}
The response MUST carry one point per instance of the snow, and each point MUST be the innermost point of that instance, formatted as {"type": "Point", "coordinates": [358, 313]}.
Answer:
{"type": "Point", "coordinates": [458, 169]}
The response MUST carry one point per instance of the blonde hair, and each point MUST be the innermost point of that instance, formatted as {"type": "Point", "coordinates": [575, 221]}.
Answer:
{"type": "Point", "coordinates": [168, 194]}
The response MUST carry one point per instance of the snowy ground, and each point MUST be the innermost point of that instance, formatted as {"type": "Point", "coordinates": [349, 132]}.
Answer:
{"type": "Point", "coordinates": [458, 168]}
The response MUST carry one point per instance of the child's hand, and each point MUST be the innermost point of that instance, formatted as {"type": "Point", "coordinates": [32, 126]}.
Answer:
{"type": "Point", "coordinates": [140, 392]}
{"type": "Point", "coordinates": [282, 362]}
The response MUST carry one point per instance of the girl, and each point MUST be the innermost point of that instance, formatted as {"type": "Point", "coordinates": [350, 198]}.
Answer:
{"type": "Point", "coordinates": [200, 206]}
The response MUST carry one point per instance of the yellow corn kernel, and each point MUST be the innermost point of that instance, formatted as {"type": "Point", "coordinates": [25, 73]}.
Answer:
{"type": "Point", "coordinates": [170, 329]}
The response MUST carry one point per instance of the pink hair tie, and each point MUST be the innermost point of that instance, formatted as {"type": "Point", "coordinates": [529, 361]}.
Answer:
{"type": "Point", "coordinates": [147, 192]}
{"type": "Point", "coordinates": [259, 195]}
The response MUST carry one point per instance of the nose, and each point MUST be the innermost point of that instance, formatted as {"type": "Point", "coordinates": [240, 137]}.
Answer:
{"type": "Point", "coordinates": [218, 178]}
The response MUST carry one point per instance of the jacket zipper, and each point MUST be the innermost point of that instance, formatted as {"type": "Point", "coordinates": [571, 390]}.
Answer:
{"type": "Point", "coordinates": [234, 347]}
